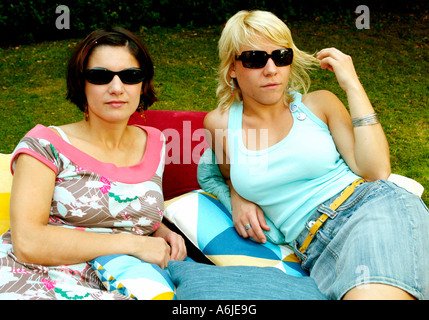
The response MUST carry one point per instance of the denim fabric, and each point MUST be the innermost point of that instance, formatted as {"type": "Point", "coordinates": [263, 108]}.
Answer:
{"type": "Point", "coordinates": [379, 235]}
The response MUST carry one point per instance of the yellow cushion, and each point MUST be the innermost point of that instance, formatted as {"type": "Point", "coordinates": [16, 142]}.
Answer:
{"type": "Point", "coordinates": [5, 187]}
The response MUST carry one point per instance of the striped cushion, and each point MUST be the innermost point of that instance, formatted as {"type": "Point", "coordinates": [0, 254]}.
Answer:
{"type": "Point", "coordinates": [208, 225]}
{"type": "Point", "coordinates": [133, 277]}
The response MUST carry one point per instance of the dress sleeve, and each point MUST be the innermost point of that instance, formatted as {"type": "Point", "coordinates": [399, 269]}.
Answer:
{"type": "Point", "coordinates": [39, 149]}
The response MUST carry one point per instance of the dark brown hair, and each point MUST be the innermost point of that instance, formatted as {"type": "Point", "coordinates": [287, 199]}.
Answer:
{"type": "Point", "coordinates": [117, 37]}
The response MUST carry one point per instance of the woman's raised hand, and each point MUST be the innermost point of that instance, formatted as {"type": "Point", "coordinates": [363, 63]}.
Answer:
{"type": "Point", "coordinates": [341, 64]}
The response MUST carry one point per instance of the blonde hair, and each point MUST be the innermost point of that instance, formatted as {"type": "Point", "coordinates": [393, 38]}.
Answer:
{"type": "Point", "coordinates": [247, 28]}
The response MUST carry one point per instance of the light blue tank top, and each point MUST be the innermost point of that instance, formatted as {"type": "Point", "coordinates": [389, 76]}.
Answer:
{"type": "Point", "coordinates": [290, 179]}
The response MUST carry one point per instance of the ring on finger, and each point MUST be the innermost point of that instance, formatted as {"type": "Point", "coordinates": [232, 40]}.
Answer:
{"type": "Point", "coordinates": [247, 227]}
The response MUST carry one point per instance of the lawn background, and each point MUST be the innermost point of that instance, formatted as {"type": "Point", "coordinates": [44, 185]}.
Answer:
{"type": "Point", "coordinates": [391, 59]}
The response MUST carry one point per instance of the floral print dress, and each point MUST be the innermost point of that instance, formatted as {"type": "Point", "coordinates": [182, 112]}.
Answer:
{"type": "Point", "coordinates": [91, 196]}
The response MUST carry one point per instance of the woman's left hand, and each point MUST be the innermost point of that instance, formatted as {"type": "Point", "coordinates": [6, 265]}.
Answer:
{"type": "Point", "coordinates": [176, 242]}
{"type": "Point", "coordinates": [341, 64]}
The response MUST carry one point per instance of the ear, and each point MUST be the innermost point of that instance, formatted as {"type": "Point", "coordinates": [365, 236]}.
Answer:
{"type": "Point", "coordinates": [232, 73]}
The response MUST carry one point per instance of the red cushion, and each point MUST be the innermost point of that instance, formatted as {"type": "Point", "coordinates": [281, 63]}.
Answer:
{"type": "Point", "coordinates": [184, 146]}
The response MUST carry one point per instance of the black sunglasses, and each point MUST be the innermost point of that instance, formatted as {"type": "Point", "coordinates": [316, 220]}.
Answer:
{"type": "Point", "coordinates": [104, 76]}
{"type": "Point", "coordinates": [256, 59]}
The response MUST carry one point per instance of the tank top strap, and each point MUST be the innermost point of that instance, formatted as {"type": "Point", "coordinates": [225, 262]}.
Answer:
{"type": "Point", "coordinates": [235, 132]}
{"type": "Point", "coordinates": [235, 121]}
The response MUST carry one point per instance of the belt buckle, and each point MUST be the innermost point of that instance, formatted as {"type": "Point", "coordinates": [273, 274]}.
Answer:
{"type": "Point", "coordinates": [337, 202]}
{"type": "Point", "coordinates": [310, 224]}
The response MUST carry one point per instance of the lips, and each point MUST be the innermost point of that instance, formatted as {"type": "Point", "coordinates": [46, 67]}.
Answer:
{"type": "Point", "coordinates": [273, 85]}
{"type": "Point", "coordinates": [116, 103]}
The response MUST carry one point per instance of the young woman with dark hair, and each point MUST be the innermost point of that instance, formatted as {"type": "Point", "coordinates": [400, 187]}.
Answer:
{"type": "Point", "coordinates": [90, 188]}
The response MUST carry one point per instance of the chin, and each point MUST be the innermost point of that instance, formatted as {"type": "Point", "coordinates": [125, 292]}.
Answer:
{"type": "Point", "coordinates": [271, 102]}
{"type": "Point", "coordinates": [117, 118]}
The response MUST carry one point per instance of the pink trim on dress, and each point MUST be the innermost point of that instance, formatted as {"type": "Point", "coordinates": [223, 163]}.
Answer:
{"type": "Point", "coordinates": [35, 155]}
{"type": "Point", "coordinates": [142, 171]}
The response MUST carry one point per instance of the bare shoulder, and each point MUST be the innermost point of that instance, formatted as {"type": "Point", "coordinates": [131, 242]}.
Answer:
{"type": "Point", "coordinates": [136, 131]}
{"type": "Point", "coordinates": [69, 129]}
{"type": "Point", "coordinates": [322, 103]}
{"type": "Point", "coordinates": [216, 119]}
{"type": "Point", "coordinates": [320, 98]}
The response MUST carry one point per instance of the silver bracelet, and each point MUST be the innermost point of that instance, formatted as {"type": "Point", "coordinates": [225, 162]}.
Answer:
{"type": "Point", "coordinates": [365, 120]}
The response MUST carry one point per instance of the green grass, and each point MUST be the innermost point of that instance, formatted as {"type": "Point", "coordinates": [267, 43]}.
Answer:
{"type": "Point", "coordinates": [391, 58]}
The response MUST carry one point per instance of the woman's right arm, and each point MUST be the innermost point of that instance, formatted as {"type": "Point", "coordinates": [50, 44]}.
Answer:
{"type": "Point", "coordinates": [34, 241]}
{"type": "Point", "coordinates": [243, 211]}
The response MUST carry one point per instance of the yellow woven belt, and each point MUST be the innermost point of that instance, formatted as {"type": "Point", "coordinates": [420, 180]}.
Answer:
{"type": "Point", "coordinates": [321, 220]}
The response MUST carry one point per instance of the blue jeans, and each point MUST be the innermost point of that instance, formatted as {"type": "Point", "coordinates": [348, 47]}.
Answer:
{"type": "Point", "coordinates": [379, 235]}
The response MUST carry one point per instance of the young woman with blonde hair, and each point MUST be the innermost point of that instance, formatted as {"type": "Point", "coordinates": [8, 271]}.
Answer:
{"type": "Point", "coordinates": [304, 171]}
